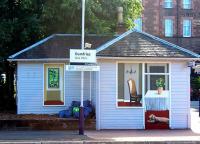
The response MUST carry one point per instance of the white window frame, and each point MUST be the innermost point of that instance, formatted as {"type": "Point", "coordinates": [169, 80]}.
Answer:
{"type": "Point", "coordinates": [187, 4]}
{"type": "Point", "coordinates": [166, 74]}
{"type": "Point", "coordinates": [53, 88]}
{"type": "Point", "coordinates": [187, 25]}
{"type": "Point", "coordinates": [143, 79]}
{"type": "Point", "coordinates": [168, 3]}
{"type": "Point", "coordinates": [116, 98]}
{"type": "Point", "coordinates": [169, 26]}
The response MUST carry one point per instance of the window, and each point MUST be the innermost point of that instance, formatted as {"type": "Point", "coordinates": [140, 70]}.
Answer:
{"type": "Point", "coordinates": [187, 4]}
{"type": "Point", "coordinates": [168, 27]}
{"type": "Point", "coordinates": [53, 84]}
{"type": "Point", "coordinates": [168, 4]}
{"type": "Point", "coordinates": [139, 82]}
{"type": "Point", "coordinates": [138, 24]}
{"type": "Point", "coordinates": [156, 80]}
{"type": "Point", "coordinates": [129, 85]}
{"type": "Point", "coordinates": [187, 28]}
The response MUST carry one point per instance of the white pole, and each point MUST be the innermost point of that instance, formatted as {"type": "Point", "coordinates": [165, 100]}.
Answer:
{"type": "Point", "coordinates": [82, 47]}
{"type": "Point", "coordinates": [90, 86]}
{"type": "Point", "coordinates": [81, 116]}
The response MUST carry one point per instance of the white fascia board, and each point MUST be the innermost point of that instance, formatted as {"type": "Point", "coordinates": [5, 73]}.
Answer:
{"type": "Point", "coordinates": [30, 47]}
{"type": "Point", "coordinates": [170, 44]}
{"type": "Point", "coordinates": [45, 59]}
{"type": "Point", "coordinates": [111, 42]}
{"type": "Point", "coordinates": [146, 58]}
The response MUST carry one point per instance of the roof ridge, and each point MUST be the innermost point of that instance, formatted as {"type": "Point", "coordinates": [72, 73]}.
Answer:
{"type": "Point", "coordinates": [169, 43]}
{"type": "Point", "coordinates": [32, 46]}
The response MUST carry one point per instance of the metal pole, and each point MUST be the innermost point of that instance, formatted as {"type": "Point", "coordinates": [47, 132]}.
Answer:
{"type": "Point", "coordinates": [90, 86]}
{"type": "Point", "coordinates": [199, 101]}
{"type": "Point", "coordinates": [81, 116]}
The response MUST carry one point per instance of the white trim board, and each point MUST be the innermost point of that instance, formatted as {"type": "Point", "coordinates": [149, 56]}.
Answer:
{"type": "Point", "coordinates": [108, 58]}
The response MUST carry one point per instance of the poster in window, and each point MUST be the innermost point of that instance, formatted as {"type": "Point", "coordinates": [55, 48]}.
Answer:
{"type": "Point", "coordinates": [53, 77]}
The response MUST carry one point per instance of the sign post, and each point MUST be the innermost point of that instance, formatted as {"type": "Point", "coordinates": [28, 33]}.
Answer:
{"type": "Point", "coordinates": [82, 56]}
{"type": "Point", "coordinates": [81, 115]}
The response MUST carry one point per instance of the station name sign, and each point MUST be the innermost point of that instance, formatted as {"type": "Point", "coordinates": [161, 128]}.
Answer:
{"type": "Point", "coordinates": [82, 68]}
{"type": "Point", "coordinates": [82, 56]}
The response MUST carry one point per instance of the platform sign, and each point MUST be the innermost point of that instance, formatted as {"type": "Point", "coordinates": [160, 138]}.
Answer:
{"type": "Point", "coordinates": [82, 68]}
{"type": "Point", "coordinates": [82, 56]}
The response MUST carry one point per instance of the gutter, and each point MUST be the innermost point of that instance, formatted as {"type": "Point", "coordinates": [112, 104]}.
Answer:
{"type": "Point", "coordinates": [106, 58]}
{"type": "Point", "coordinates": [34, 60]}
{"type": "Point", "coordinates": [146, 58]}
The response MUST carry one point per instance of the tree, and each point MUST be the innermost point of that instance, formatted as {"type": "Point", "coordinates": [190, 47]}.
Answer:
{"type": "Point", "coordinates": [64, 16]}
{"type": "Point", "coordinates": [19, 27]}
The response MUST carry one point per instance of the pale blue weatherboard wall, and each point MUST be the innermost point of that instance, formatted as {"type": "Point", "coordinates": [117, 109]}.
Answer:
{"type": "Point", "coordinates": [30, 89]}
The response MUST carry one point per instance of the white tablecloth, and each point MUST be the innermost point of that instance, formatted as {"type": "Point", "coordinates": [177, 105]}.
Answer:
{"type": "Point", "coordinates": [154, 101]}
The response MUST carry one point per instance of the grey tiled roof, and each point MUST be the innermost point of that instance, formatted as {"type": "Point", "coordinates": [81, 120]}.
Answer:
{"type": "Point", "coordinates": [129, 44]}
{"type": "Point", "coordinates": [138, 44]}
{"type": "Point", "coordinates": [58, 46]}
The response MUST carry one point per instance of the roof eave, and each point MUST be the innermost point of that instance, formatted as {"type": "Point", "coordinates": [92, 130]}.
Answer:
{"type": "Point", "coordinates": [40, 59]}
{"type": "Point", "coordinates": [147, 58]}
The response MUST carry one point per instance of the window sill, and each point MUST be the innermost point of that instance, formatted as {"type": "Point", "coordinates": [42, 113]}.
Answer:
{"type": "Point", "coordinates": [53, 103]}
{"type": "Point", "coordinates": [129, 105]}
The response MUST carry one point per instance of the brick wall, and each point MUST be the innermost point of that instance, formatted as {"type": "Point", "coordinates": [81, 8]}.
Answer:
{"type": "Point", "coordinates": [153, 21]}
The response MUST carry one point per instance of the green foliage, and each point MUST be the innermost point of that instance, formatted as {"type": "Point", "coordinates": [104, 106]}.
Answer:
{"type": "Point", "coordinates": [195, 82]}
{"type": "Point", "coordinates": [64, 16]}
{"type": "Point", "coordinates": [19, 25]}
{"type": "Point", "coordinates": [160, 82]}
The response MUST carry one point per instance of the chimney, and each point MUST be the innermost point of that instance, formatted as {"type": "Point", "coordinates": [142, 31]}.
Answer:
{"type": "Point", "coordinates": [120, 22]}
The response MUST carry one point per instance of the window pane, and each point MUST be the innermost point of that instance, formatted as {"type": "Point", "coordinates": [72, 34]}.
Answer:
{"type": "Point", "coordinates": [168, 4]}
{"type": "Point", "coordinates": [129, 84]}
{"type": "Point", "coordinates": [186, 28]}
{"type": "Point", "coordinates": [156, 68]}
{"type": "Point", "coordinates": [187, 4]}
{"type": "Point", "coordinates": [156, 92]}
{"type": "Point", "coordinates": [168, 28]}
{"type": "Point", "coordinates": [53, 77]}
{"type": "Point", "coordinates": [151, 82]}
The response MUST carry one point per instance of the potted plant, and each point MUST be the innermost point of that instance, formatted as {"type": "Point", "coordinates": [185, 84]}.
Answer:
{"type": "Point", "coordinates": [160, 84]}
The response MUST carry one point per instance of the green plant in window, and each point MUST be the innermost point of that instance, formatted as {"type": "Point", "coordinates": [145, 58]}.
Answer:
{"type": "Point", "coordinates": [53, 77]}
{"type": "Point", "coordinates": [160, 82]}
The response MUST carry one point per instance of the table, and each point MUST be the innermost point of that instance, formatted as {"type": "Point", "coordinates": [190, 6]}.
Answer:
{"type": "Point", "coordinates": [154, 101]}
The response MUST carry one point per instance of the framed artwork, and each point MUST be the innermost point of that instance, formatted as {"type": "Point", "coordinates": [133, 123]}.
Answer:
{"type": "Point", "coordinates": [53, 77]}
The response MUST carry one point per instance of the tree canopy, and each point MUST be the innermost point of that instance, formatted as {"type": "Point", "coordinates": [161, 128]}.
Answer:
{"type": "Point", "coordinates": [101, 15]}
{"type": "Point", "coordinates": [24, 22]}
